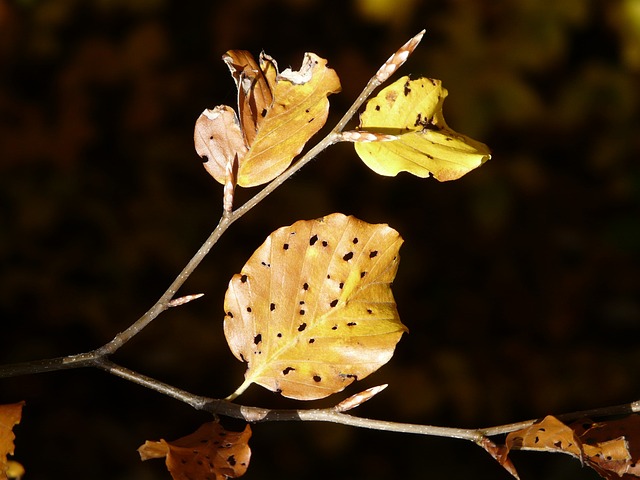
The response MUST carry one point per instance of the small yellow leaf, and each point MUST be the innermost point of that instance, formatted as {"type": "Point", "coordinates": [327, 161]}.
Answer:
{"type": "Point", "coordinates": [312, 309]}
{"type": "Point", "coordinates": [412, 110]}
{"type": "Point", "coordinates": [299, 109]}
{"type": "Point", "coordinates": [209, 452]}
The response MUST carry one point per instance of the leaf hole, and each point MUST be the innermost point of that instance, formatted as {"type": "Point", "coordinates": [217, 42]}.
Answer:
{"type": "Point", "coordinates": [263, 113]}
{"type": "Point", "coordinates": [242, 358]}
{"type": "Point", "coordinates": [351, 324]}
{"type": "Point", "coordinates": [369, 311]}
{"type": "Point", "coordinates": [285, 246]}
{"type": "Point", "coordinates": [313, 240]}
{"type": "Point", "coordinates": [301, 302]}
{"type": "Point", "coordinates": [301, 312]}
{"type": "Point", "coordinates": [335, 327]}
{"type": "Point", "coordinates": [243, 279]}
{"type": "Point", "coordinates": [312, 340]}
{"type": "Point", "coordinates": [325, 243]}
{"type": "Point", "coordinates": [355, 240]}
{"type": "Point", "coordinates": [377, 108]}
{"type": "Point", "coordinates": [279, 335]}
{"type": "Point", "coordinates": [229, 314]}
{"type": "Point", "coordinates": [302, 327]}
{"type": "Point", "coordinates": [305, 286]}
{"type": "Point", "coordinates": [348, 256]}
{"type": "Point", "coordinates": [249, 309]}
{"type": "Point", "coordinates": [341, 285]}
{"type": "Point", "coordinates": [287, 370]}
{"type": "Point", "coordinates": [373, 253]}
{"type": "Point", "coordinates": [265, 264]}
{"type": "Point", "coordinates": [257, 339]}
{"type": "Point", "coordinates": [362, 274]}
{"type": "Point", "coordinates": [334, 303]}
{"type": "Point", "coordinates": [272, 307]}
{"type": "Point", "coordinates": [317, 378]}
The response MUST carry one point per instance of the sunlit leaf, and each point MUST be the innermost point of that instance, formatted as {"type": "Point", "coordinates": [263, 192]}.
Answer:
{"type": "Point", "coordinates": [209, 452]}
{"type": "Point", "coordinates": [299, 109]}
{"type": "Point", "coordinates": [254, 91]}
{"type": "Point", "coordinates": [10, 416]}
{"type": "Point", "coordinates": [549, 435]}
{"type": "Point", "coordinates": [312, 309]}
{"type": "Point", "coordinates": [218, 139]}
{"type": "Point", "coordinates": [278, 114]}
{"type": "Point", "coordinates": [412, 110]}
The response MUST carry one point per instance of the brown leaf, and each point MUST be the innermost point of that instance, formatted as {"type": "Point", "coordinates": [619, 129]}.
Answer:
{"type": "Point", "coordinates": [10, 416]}
{"type": "Point", "coordinates": [312, 310]}
{"type": "Point", "coordinates": [218, 139]}
{"type": "Point", "coordinates": [549, 435]}
{"type": "Point", "coordinates": [209, 452]}
{"type": "Point", "coordinates": [501, 454]}
{"type": "Point", "coordinates": [612, 447]}
{"type": "Point", "coordinates": [254, 92]}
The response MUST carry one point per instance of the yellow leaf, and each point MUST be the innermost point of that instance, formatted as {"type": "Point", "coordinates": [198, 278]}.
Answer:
{"type": "Point", "coordinates": [299, 109]}
{"type": "Point", "coordinates": [412, 110]}
{"type": "Point", "coordinates": [278, 114]}
{"type": "Point", "coordinates": [312, 309]}
{"type": "Point", "coordinates": [209, 452]}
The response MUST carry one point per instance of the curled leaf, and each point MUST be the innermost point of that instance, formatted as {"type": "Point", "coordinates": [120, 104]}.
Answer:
{"type": "Point", "coordinates": [218, 140]}
{"type": "Point", "coordinates": [412, 110]}
{"type": "Point", "coordinates": [300, 108]}
{"type": "Point", "coordinates": [312, 309]}
{"type": "Point", "coordinates": [278, 114]}
{"type": "Point", "coordinates": [209, 452]}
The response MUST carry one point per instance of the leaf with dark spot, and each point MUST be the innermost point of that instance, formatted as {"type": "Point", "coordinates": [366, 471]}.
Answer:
{"type": "Point", "coordinates": [327, 304]}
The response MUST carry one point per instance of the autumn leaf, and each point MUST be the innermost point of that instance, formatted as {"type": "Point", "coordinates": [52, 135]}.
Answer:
{"type": "Point", "coordinates": [10, 416]}
{"type": "Point", "coordinates": [411, 111]}
{"type": "Point", "coordinates": [611, 448]}
{"type": "Point", "coordinates": [209, 452]}
{"type": "Point", "coordinates": [312, 309]}
{"type": "Point", "coordinates": [279, 113]}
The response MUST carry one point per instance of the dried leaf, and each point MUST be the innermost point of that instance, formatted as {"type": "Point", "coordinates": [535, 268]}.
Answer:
{"type": "Point", "coordinates": [300, 108]}
{"type": "Point", "coordinates": [312, 309]}
{"type": "Point", "coordinates": [254, 92]}
{"type": "Point", "coordinates": [10, 416]}
{"type": "Point", "coordinates": [279, 113]}
{"type": "Point", "coordinates": [500, 453]}
{"type": "Point", "coordinates": [412, 110]}
{"type": "Point", "coordinates": [218, 139]}
{"type": "Point", "coordinates": [209, 452]}
{"type": "Point", "coordinates": [549, 435]}
{"type": "Point", "coordinates": [612, 447]}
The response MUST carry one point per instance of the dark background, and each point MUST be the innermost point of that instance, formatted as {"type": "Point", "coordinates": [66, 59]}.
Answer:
{"type": "Point", "coordinates": [520, 283]}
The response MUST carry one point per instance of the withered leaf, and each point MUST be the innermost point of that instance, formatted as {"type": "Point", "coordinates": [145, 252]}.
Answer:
{"type": "Point", "coordinates": [548, 435]}
{"type": "Point", "coordinates": [10, 416]}
{"type": "Point", "coordinates": [218, 139]}
{"type": "Point", "coordinates": [279, 113]}
{"type": "Point", "coordinates": [312, 309]}
{"type": "Point", "coordinates": [209, 452]}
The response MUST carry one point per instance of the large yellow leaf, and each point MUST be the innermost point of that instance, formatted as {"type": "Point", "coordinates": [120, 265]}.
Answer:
{"type": "Point", "coordinates": [312, 309]}
{"type": "Point", "coordinates": [412, 110]}
{"type": "Point", "coordinates": [299, 109]}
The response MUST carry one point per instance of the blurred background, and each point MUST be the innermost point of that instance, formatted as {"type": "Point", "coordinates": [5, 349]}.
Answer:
{"type": "Point", "coordinates": [520, 282]}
